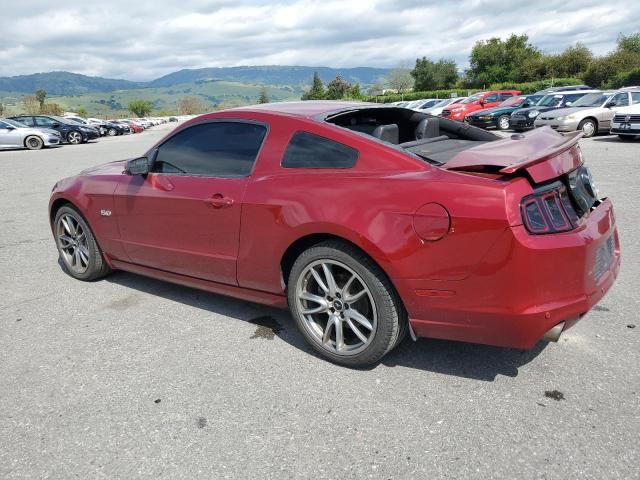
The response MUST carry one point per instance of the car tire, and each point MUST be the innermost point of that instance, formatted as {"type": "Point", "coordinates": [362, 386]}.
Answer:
{"type": "Point", "coordinates": [589, 127]}
{"type": "Point", "coordinates": [74, 137]}
{"type": "Point", "coordinates": [627, 138]}
{"type": "Point", "coordinates": [78, 249]}
{"type": "Point", "coordinates": [112, 132]}
{"type": "Point", "coordinates": [503, 122]}
{"type": "Point", "coordinates": [33, 142]}
{"type": "Point", "coordinates": [353, 320]}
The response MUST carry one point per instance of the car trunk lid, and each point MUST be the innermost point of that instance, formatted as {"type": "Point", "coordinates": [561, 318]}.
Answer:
{"type": "Point", "coordinates": [543, 154]}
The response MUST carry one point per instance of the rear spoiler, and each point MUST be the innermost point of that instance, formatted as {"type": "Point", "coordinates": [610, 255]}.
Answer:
{"type": "Point", "coordinates": [564, 144]}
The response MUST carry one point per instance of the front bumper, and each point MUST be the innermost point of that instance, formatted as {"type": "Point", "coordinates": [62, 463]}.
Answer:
{"type": "Point", "coordinates": [559, 125]}
{"type": "Point", "coordinates": [523, 287]}
{"type": "Point", "coordinates": [521, 123]}
{"type": "Point", "coordinates": [630, 129]}
{"type": "Point", "coordinates": [482, 123]}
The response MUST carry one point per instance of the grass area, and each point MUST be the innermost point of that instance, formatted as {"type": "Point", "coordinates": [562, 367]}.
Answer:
{"type": "Point", "coordinates": [213, 93]}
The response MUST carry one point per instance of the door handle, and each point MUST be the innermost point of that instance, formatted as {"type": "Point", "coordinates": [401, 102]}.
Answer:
{"type": "Point", "coordinates": [219, 201]}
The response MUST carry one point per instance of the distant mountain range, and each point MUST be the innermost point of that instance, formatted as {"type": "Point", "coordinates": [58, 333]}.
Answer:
{"type": "Point", "coordinates": [67, 83]}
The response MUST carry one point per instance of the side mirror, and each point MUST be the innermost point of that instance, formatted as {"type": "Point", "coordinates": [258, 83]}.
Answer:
{"type": "Point", "coordinates": [8, 127]}
{"type": "Point", "coordinates": [611, 104]}
{"type": "Point", "coordinates": [55, 125]}
{"type": "Point", "coordinates": [138, 166]}
{"type": "Point", "coordinates": [482, 101]}
{"type": "Point", "coordinates": [525, 105]}
{"type": "Point", "coordinates": [568, 104]}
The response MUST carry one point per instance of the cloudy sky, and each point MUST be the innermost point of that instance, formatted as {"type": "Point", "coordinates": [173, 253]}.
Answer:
{"type": "Point", "coordinates": [144, 39]}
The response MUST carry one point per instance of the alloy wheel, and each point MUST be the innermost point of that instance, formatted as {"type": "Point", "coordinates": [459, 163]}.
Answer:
{"type": "Point", "coordinates": [337, 307]}
{"type": "Point", "coordinates": [72, 241]}
{"type": "Point", "coordinates": [74, 138]}
{"type": "Point", "coordinates": [503, 122]}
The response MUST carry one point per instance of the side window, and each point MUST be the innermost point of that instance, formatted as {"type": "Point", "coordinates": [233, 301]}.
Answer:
{"type": "Point", "coordinates": [3, 125]}
{"type": "Point", "coordinates": [504, 96]}
{"type": "Point", "coordinates": [215, 149]}
{"type": "Point", "coordinates": [621, 99]}
{"type": "Point", "coordinates": [28, 121]}
{"type": "Point", "coordinates": [492, 98]}
{"type": "Point", "coordinates": [635, 97]}
{"type": "Point", "coordinates": [306, 150]}
{"type": "Point", "coordinates": [572, 97]}
{"type": "Point", "coordinates": [44, 122]}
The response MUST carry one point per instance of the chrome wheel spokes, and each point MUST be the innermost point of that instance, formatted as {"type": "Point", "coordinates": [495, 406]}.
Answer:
{"type": "Point", "coordinates": [336, 306]}
{"type": "Point", "coordinates": [72, 243]}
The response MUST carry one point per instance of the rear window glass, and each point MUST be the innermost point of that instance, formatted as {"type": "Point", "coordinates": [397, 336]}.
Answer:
{"type": "Point", "coordinates": [306, 150]}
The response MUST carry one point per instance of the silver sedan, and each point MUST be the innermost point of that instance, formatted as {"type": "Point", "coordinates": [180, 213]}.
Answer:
{"type": "Point", "coordinates": [17, 135]}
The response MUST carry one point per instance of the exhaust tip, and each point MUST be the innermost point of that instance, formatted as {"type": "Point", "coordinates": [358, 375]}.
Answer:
{"type": "Point", "coordinates": [553, 334]}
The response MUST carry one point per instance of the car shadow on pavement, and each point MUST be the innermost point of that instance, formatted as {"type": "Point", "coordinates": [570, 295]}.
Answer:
{"type": "Point", "coordinates": [478, 362]}
{"type": "Point", "coordinates": [609, 138]}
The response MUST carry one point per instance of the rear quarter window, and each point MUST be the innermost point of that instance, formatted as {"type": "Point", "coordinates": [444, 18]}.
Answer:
{"type": "Point", "coordinates": [307, 150]}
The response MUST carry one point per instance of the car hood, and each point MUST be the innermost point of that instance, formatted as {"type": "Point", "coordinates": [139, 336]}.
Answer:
{"type": "Point", "coordinates": [633, 109]}
{"type": "Point", "coordinates": [111, 168]}
{"type": "Point", "coordinates": [534, 152]}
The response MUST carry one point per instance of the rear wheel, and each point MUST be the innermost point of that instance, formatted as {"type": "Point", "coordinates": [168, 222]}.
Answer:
{"type": "Point", "coordinates": [77, 247]}
{"type": "Point", "coordinates": [74, 137]}
{"type": "Point", "coordinates": [589, 127]}
{"type": "Point", "coordinates": [33, 142]}
{"type": "Point", "coordinates": [503, 122]}
{"type": "Point", "coordinates": [344, 305]}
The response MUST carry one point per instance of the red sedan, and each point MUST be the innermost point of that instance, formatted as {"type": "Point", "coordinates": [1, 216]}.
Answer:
{"type": "Point", "coordinates": [367, 221]}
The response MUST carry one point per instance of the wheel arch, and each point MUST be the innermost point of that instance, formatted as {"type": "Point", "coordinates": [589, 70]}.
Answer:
{"type": "Point", "coordinates": [595, 120]}
{"type": "Point", "coordinates": [307, 241]}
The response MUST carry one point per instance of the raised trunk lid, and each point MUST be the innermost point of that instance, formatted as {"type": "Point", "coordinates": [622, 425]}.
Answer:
{"type": "Point", "coordinates": [543, 153]}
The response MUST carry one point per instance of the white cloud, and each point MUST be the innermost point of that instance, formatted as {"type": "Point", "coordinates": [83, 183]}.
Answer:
{"type": "Point", "coordinates": [143, 40]}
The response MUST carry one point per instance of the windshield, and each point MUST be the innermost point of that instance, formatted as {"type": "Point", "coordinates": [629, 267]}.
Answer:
{"type": "Point", "coordinates": [534, 99]}
{"type": "Point", "coordinates": [472, 98]}
{"type": "Point", "coordinates": [512, 101]}
{"type": "Point", "coordinates": [14, 123]}
{"type": "Point", "coordinates": [592, 99]}
{"type": "Point", "coordinates": [550, 101]}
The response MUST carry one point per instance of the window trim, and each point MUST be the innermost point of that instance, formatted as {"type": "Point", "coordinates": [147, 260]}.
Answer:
{"type": "Point", "coordinates": [153, 152]}
{"type": "Point", "coordinates": [318, 168]}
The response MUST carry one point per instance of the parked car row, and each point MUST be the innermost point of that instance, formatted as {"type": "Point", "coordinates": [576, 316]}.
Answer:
{"type": "Point", "coordinates": [565, 109]}
{"type": "Point", "coordinates": [40, 131]}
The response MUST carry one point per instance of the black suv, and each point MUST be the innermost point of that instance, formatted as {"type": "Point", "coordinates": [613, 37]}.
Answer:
{"type": "Point", "coordinates": [70, 131]}
{"type": "Point", "coordinates": [524, 118]}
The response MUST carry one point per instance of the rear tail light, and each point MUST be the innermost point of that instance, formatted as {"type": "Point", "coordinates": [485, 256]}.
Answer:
{"type": "Point", "coordinates": [549, 210]}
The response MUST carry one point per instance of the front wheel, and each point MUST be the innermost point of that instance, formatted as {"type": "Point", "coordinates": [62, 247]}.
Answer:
{"type": "Point", "coordinates": [74, 138]}
{"type": "Point", "coordinates": [344, 305]}
{"type": "Point", "coordinates": [33, 142]}
{"type": "Point", "coordinates": [589, 127]}
{"type": "Point", "coordinates": [503, 122]}
{"type": "Point", "coordinates": [77, 247]}
{"type": "Point", "coordinates": [112, 132]}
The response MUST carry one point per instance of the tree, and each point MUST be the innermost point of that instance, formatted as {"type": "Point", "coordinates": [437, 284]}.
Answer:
{"type": "Point", "coordinates": [625, 58]}
{"type": "Point", "coordinates": [82, 112]}
{"type": "Point", "coordinates": [263, 98]}
{"type": "Point", "coordinates": [316, 92]}
{"type": "Point", "coordinates": [495, 60]}
{"type": "Point", "coordinates": [191, 106]}
{"type": "Point", "coordinates": [51, 109]}
{"type": "Point", "coordinates": [1, 109]}
{"type": "Point", "coordinates": [629, 43]}
{"type": "Point", "coordinates": [337, 88]}
{"type": "Point", "coordinates": [354, 92]}
{"type": "Point", "coordinates": [41, 95]}
{"type": "Point", "coordinates": [438, 75]}
{"type": "Point", "coordinates": [140, 108]}
{"type": "Point", "coordinates": [30, 105]}
{"type": "Point", "coordinates": [400, 79]}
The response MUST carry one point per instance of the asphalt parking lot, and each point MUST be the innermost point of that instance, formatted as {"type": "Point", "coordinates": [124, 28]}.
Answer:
{"type": "Point", "coordinates": [134, 378]}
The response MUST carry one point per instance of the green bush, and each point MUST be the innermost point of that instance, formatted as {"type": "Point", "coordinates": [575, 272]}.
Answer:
{"type": "Point", "coordinates": [625, 79]}
{"type": "Point", "coordinates": [526, 89]}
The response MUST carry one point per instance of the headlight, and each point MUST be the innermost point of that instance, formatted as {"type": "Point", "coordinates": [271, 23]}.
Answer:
{"type": "Point", "coordinates": [534, 113]}
{"type": "Point", "coordinates": [566, 117]}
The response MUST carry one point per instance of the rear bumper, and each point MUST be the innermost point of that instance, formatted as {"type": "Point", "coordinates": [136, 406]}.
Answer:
{"type": "Point", "coordinates": [523, 287]}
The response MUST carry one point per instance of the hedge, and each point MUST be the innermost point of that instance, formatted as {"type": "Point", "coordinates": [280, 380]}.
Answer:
{"type": "Point", "coordinates": [526, 88]}
{"type": "Point", "coordinates": [625, 79]}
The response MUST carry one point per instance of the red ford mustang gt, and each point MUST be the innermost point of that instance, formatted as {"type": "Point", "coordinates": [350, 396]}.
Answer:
{"type": "Point", "coordinates": [367, 221]}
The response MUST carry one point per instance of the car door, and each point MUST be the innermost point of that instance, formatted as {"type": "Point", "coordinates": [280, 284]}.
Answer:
{"type": "Point", "coordinates": [184, 216]}
{"type": "Point", "coordinates": [616, 102]}
{"type": "Point", "coordinates": [10, 136]}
